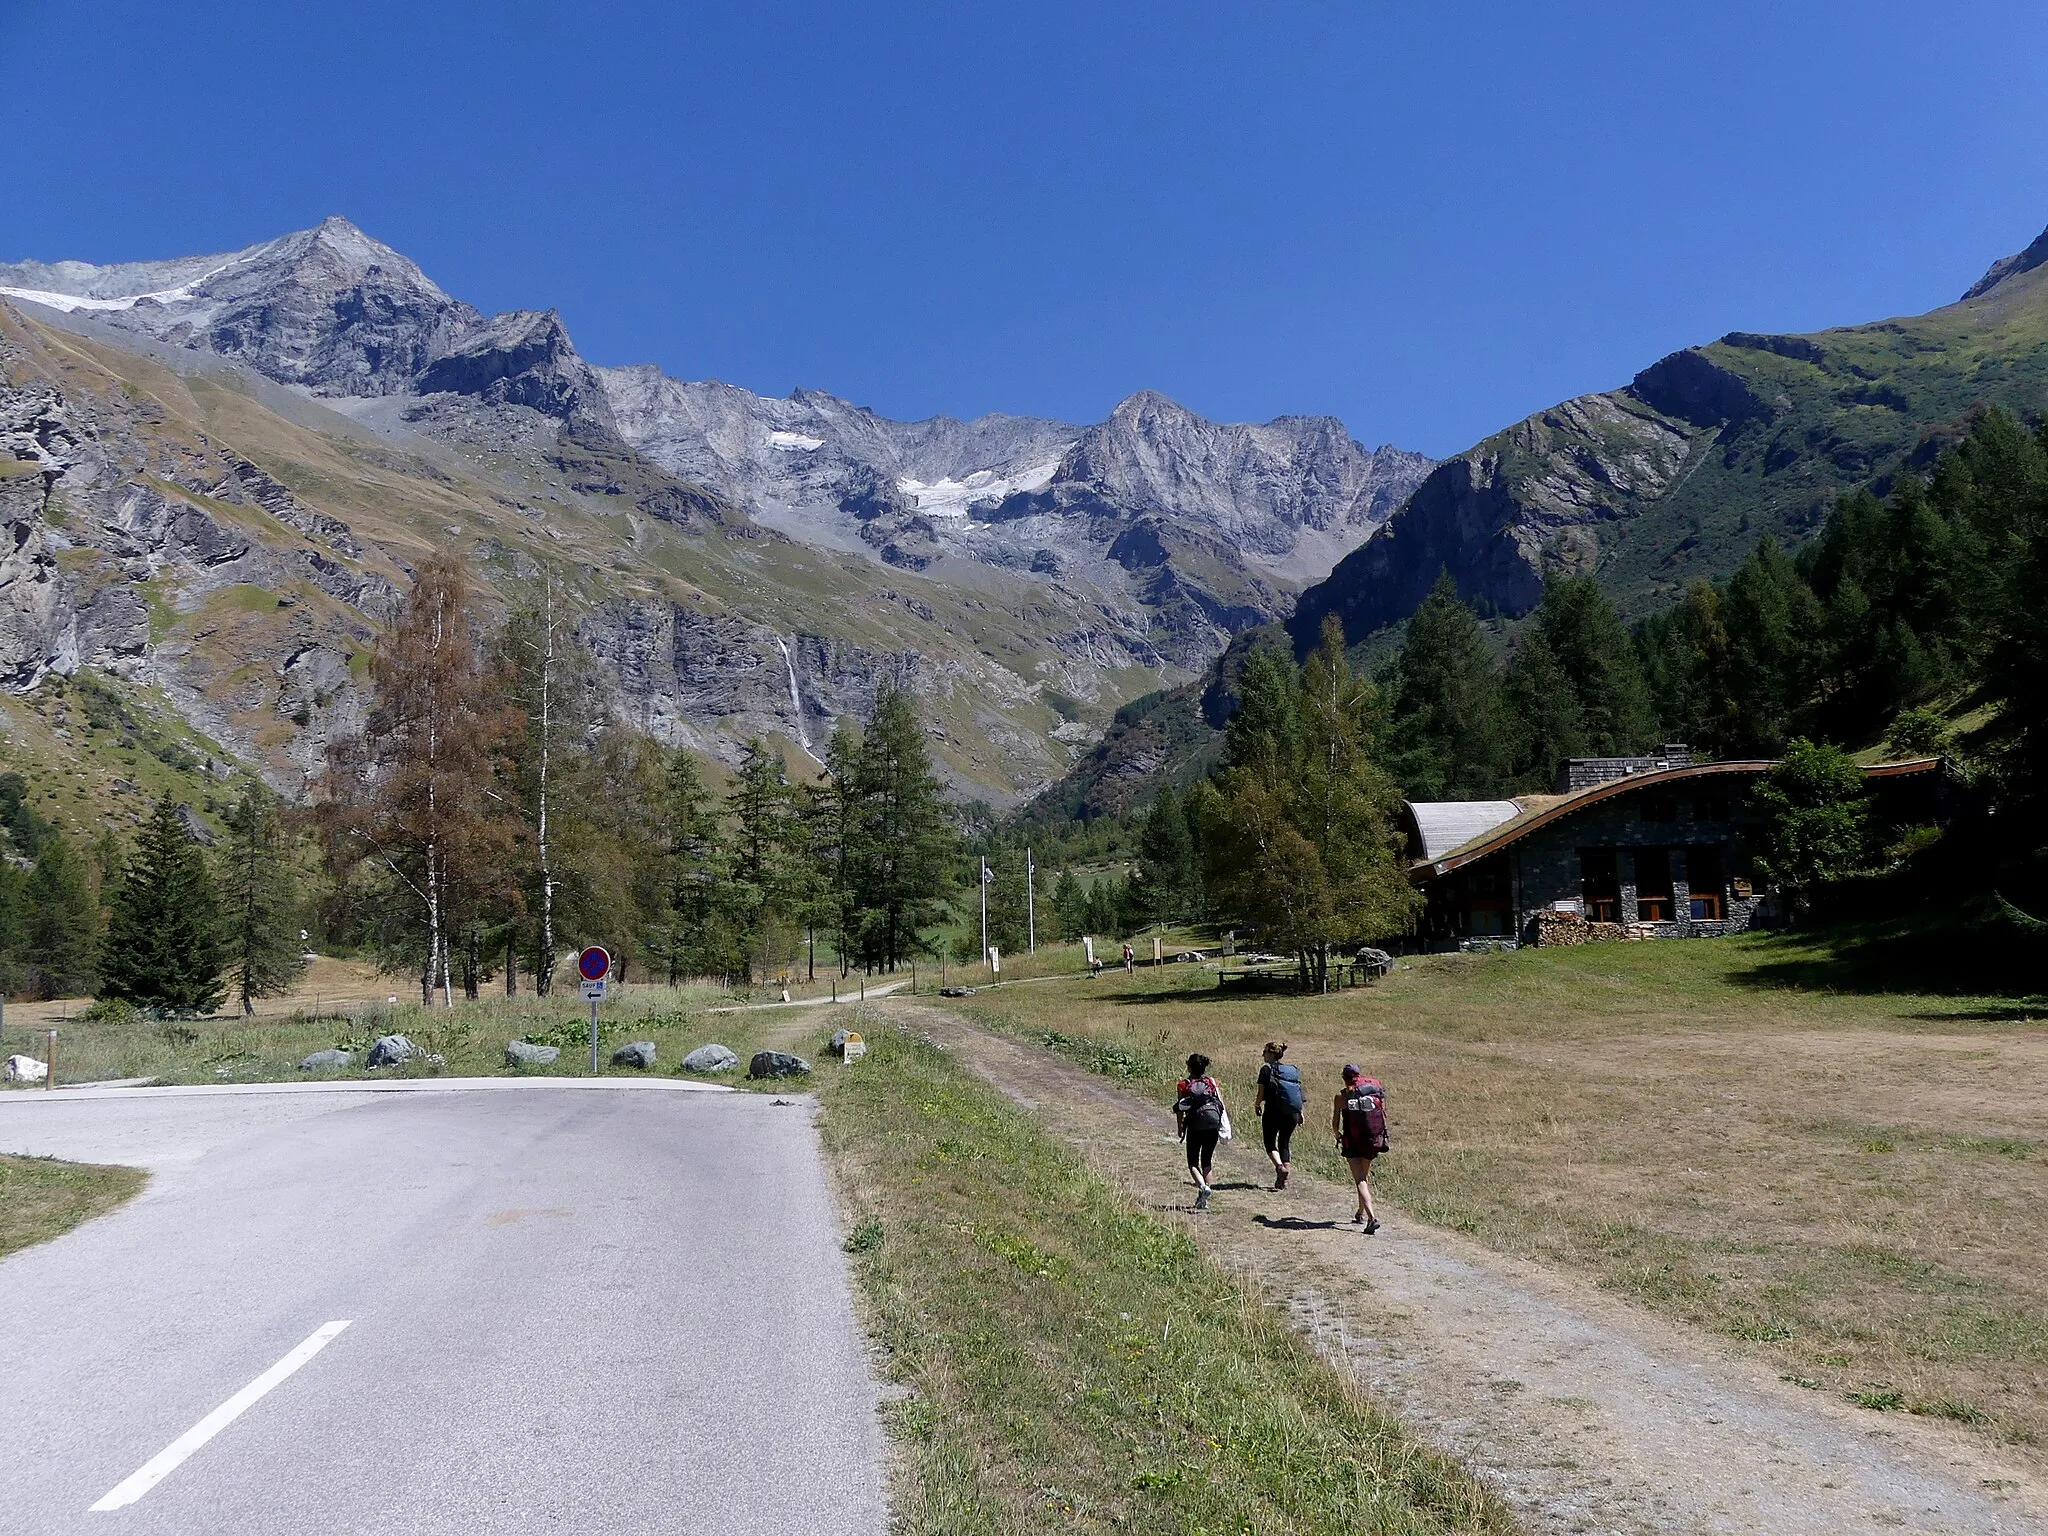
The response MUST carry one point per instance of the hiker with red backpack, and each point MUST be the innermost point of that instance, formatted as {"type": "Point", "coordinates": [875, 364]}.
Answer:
{"type": "Point", "coordinates": [1359, 1121]}
{"type": "Point", "coordinates": [1278, 1104]}
{"type": "Point", "coordinates": [1201, 1119]}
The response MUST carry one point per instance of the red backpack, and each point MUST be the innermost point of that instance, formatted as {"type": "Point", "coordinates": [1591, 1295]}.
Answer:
{"type": "Point", "coordinates": [1365, 1115]}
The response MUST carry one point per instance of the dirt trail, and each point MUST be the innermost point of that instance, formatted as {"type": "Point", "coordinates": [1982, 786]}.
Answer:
{"type": "Point", "coordinates": [1586, 1414]}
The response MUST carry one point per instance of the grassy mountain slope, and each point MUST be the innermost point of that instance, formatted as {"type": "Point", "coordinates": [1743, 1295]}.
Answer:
{"type": "Point", "coordinates": [1672, 478]}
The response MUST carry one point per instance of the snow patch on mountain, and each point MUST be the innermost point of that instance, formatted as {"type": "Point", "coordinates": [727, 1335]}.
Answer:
{"type": "Point", "coordinates": [948, 497]}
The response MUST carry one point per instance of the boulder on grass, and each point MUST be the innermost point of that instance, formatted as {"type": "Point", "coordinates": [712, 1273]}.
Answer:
{"type": "Point", "coordinates": [520, 1054]}
{"type": "Point", "coordinates": [777, 1064]}
{"type": "Point", "coordinates": [25, 1069]}
{"type": "Point", "coordinates": [327, 1061]}
{"type": "Point", "coordinates": [838, 1045]}
{"type": "Point", "coordinates": [390, 1050]}
{"type": "Point", "coordinates": [710, 1058]}
{"type": "Point", "coordinates": [640, 1055]}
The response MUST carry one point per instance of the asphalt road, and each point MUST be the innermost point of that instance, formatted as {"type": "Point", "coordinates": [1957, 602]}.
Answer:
{"type": "Point", "coordinates": [571, 1308]}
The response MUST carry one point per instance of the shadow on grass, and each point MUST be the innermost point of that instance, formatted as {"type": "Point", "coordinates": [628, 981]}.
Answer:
{"type": "Point", "coordinates": [1223, 995]}
{"type": "Point", "coordinates": [1972, 953]}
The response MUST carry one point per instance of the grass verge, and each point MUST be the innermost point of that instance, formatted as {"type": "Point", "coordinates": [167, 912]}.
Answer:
{"type": "Point", "coordinates": [41, 1198]}
{"type": "Point", "coordinates": [1072, 1363]}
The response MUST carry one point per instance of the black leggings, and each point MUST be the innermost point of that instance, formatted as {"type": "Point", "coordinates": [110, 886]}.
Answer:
{"type": "Point", "coordinates": [1279, 1131]}
{"type": "Point", "coordinates": [1202, 1141]}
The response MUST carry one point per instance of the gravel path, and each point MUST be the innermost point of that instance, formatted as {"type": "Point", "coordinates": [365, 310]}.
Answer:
{"type": "Point", "coordinates": [1587, 1414]}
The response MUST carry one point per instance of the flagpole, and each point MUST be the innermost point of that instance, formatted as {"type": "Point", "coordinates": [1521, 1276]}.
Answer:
{"type": "Point", "coordinates": [1030, 903]}
{"type": "Point", "coordinates": [984, 911]}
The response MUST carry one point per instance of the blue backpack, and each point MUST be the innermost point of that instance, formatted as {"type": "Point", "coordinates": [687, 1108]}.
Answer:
{"type": "Point", "coordinates": [1286, 1082]}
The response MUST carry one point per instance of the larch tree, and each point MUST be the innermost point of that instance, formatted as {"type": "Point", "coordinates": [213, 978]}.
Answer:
{"type": "Point", "coordinates": [259, 891]}
{"type": "Point", "coordinates": [421, 797]}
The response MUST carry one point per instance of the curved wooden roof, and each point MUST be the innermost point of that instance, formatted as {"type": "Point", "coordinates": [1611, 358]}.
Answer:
{"type": "Point", "coordinates": [1541, 810]}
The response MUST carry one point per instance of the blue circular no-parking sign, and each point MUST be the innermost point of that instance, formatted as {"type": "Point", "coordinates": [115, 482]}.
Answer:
{"type": "Point", "coordinates": [595, 963]}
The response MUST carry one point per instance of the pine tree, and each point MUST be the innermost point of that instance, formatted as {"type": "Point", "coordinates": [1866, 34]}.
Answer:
{"type": "Point", "coordinates": [1773, 623]}
{"type": "Point", "coordinates": [901, 835]}
{"type": "Point", "coordinates": [1447, 740]}
{"type": "Point", "coordinates": [690, 934]}
{"type": "Point", "coordinates": [260, 899]}
{"type": "Point", "coordinates": [1298, 834]}
{"type": "Point", "coordinates": [59, 924]}
{"type": "Point", "coordinates": [1597, 657]}
{"type": "Point", "coordinates": [165, 944]}
{"type": "Point", "coordinates": [1549, 727]}
{"type": "Point", "coordinates": [1069, 907]}
{"type": "Point", "coordinates": [1167, 887]}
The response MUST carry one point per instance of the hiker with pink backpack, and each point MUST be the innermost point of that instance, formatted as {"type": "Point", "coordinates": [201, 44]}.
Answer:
{"type": "Point", "coordinates": [1201, 1119]}
{"type": "Point", "coordinates": [1358, 1119]}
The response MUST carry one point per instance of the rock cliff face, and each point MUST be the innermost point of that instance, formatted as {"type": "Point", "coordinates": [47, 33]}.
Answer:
{"type": "Point", "coordinates": [1288, 494]}
{"type": "Point", "coordinates": [1180, 531]}
{"type": "Point", "coordinates": [1674, 477]}
{"type": "Point", "coordinates": [118, 521]}
{"type": "Point", "coordinates": [327, 308]}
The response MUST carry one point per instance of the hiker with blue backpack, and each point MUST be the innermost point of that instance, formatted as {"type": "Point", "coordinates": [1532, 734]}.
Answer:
{"type": "Point", "coordinates": [1358, 1119]}
{"type": "Point", "coordinates": [1202, 1121]}
{"type": "Point", "coordinates": [1278, 1104]}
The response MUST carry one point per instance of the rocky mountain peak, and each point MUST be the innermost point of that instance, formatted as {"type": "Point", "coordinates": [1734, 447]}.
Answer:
{"type": "Point", "coordinates": [2010, 266]}
{"type": "Point", "coordinates": [522, 357]}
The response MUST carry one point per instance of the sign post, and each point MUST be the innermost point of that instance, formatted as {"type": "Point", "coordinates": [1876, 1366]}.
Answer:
{"type": "Point", "coordinates": [594, 964]}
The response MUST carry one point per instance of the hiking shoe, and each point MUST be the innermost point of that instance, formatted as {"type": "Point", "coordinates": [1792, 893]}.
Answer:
{"type": "Point", "coordinates": [1357, 1221]}
{"type": "Point", "coordinates": [1280, 1179]}
{"type": "Point", "coordinates": [1201, 1199]}
{"type": "Point", "coordinates": [1372, 1226]}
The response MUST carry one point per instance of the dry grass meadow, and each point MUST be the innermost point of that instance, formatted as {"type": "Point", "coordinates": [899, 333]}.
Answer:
{"type": "Point", "coordinates": [1853, 1184]}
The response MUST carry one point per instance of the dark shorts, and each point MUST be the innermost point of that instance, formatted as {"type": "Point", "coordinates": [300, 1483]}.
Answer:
{"type": "Point", "coordinates": [1360, 1149]}
{"type": "Point", "coordinates": [1279, 1132]}
{"type": "Point", "coordinates": [1202, 1141]}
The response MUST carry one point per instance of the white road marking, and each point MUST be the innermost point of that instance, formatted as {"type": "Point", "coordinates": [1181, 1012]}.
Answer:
{"type": "Point", "coordinates": [165, 1461]}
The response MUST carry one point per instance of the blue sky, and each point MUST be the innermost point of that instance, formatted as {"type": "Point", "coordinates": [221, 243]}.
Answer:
{"type": "Point", "coordinates": [1428, 220]}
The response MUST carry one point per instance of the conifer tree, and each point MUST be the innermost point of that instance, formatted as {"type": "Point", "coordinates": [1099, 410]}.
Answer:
{"type": "Point", "coordinates": [1446, 738]}
{"type": "Point", "coordinates": [58, 927]}
{"type": "Point", "coordinates": [165, 944]}
{"type": "Point", "coordinates": [1299, 835]}
{"type": "Point", "coordinates": [900, 835]}
{"type": "Point", "coordinates": [1773, 624]}
{"type": "Point", "coordinates": [1599, 661]}
{"type": "Point", "coordinates": [422, 803]}
{"type": "Point", "coordinates": [1069, 906]}
{"type": "Point", "coordinates": [1167, 886]}
{"type": "Point", "coordinates": [260, 899]}
{"type": "Point", "coordinates": [1544, 708]}
{"type": "Point", "coordinates": [690, 933]}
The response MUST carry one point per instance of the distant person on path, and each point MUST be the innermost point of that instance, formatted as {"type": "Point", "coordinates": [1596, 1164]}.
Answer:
{"type": "Point", "coordinates": [1359, 1121]}
{"type": "Point", "coordinates": [1198, 1115]}
{"type": "Point", "coordinates": [1278, 1104]}
{"type": "Point", "coordinates": [1130, 961]}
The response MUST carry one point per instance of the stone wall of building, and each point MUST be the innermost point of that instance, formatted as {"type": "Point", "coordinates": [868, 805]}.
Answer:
{"type": "Point", "coordinates": [1691, 814]}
